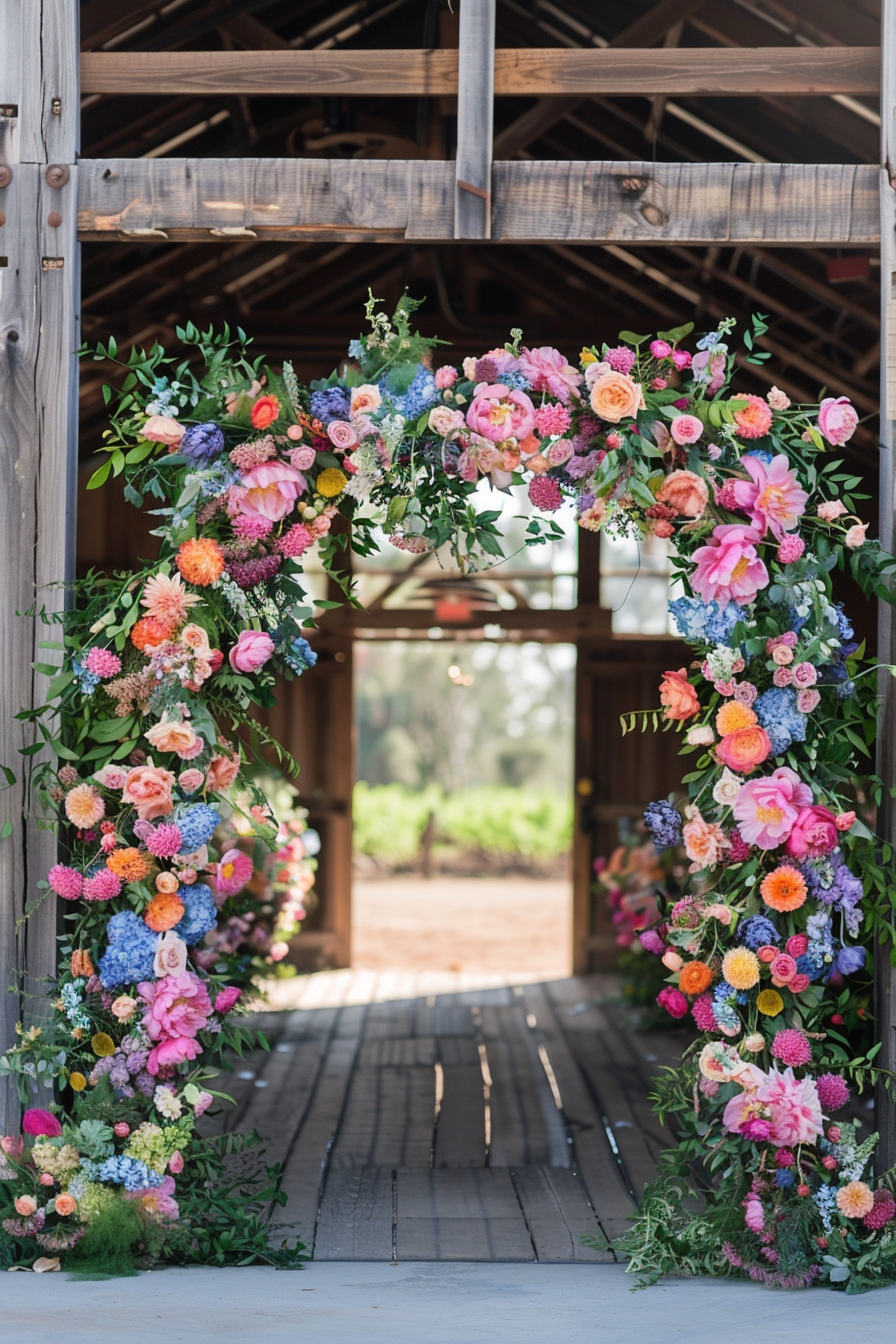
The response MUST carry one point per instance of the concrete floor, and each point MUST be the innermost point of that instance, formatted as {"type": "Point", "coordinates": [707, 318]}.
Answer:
{"type": "Point", "coordinates": [338, 1303]}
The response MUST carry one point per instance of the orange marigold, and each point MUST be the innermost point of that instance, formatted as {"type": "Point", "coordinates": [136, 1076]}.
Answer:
{"type": "Point", "coordinates": [734, 715]}
{"type": "Point", "coordinates": [163, 912]}
{"type": "Point", "coordinates": [129, 864]}
{"type": "Point", "coordinates": [201, 561]}
{"type": "Point", "coordinates": [694, 978]}
{"type": "Point", "coordinates": [150, 630]}
{"type": "Point", "coordinates": [784, 889]}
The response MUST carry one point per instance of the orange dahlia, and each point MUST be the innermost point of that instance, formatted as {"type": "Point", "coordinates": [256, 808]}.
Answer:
{"type": "Point", "coordinates": [129, 864]}
{"type": "Point", "coordinates": [784, 889]}
{"type": "Point", "coordinates": [855, 1199]}
{"type": "Point", "coordinates": [695, 977]}
{"type": "Point", "coordinates": [150, 631]}
{"type": "Point", "coordinates": [201, 561]}
{"type": "Point", "coordinates": [163, 912]}
{"type": "Point", "coordinates": [84, 807]}
{"type": "Point", "coordinates": [166, 598]}
{"type": "Point", "coordinates": [734, 715]}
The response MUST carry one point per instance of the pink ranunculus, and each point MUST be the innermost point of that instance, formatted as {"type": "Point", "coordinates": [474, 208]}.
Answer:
{"type": "Point", "coordinates": [660, 349]}
{"type": "Point", "coordinates": [176, 1006]}
{"type": "Point", "coordinates": [172, 1051]}
{"type": "Point", "coordinates": [837, 420]}
{"type": "Point", "coordinates": [559, 452]}
{"type": "Point", "coordinates": [227, 999]}
{"type": "Point", "coordinates": [41, 1124]}
{"type": "Point", "coordinates": [814, 833]}
{"type": "Point", "coordinates": [686, 429]}
{"type": "Point", "coordinates": [729, 568]}
{"type": "Point", "coordinates": [163, 429]}
{"type": "Point", "coordinates": [546, 370]}
{"type": "Point", "coordinates": [773, 498]}
{"type": "Point", "coordinates": [808, 699]}
{"type": "Point", "coordinates": [251, 651]}
{"type": "Point", "coordinates": [269, 490]}
{"type": "Point", "coordinates": [783, 968]}
{"type": "Point", "coordinates": [498, 413]}
{"type": "Point", "coordinates": [766, 809]}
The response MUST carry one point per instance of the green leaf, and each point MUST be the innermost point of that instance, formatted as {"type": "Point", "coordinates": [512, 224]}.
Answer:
{"type": "Point", "coordinates": [631, 339]}
{"type": "Point", "coordinates": [100, 476]}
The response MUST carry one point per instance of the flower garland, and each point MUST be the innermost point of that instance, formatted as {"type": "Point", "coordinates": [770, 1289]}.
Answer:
{"type": "Point", "coordinates": [165, 831]}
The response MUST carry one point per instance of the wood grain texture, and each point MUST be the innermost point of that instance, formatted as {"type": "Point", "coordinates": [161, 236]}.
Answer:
{"type": "Point", "coordinates": [387, 201]}
{"type": "Point", "coordinates": [558, 1215]}
{"type": "Point", "coordinates": [39, 62]}
{"type": "Point", "coordinates": [475, 114]}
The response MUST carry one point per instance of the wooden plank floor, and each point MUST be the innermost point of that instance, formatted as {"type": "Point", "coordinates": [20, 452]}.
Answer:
{"type": "Point", "coordinates": [425, 1117]}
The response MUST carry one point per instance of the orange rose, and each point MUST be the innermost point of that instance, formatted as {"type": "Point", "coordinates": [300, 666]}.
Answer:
{"type": "Point", "coordinates": [168, 735]}
{"type": "Point", "coordinates": [149, 788]}
{"type": "Point", "coordinates": [615, 397]}
{"type": "Point", "coordinates": [65, 1204]}
{"type": "Point", "coordinates": [686, 493]}
{"type": "Point", "coordinates": [222, 771]}
{"type": "Point", "coordinates": [744, 749]}
{"type": "Point", "coordinates": [265, 412]}
{"type": "Point", "coordinates": [695, 977]}
{"type": "Point", "coordinates": [678, 696]}
{"type": "Point", "coordinates": [163, 912]}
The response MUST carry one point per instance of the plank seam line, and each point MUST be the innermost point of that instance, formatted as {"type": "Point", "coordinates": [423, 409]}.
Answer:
{"type": "Point", "coordinates": [519, 1201]}
{"type": "Point", "coordinates": [331, 1142]}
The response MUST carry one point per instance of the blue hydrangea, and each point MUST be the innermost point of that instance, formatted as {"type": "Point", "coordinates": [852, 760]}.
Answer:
{"type": "Point", "coordinates": [131, 951]}
{"type": "Point", "coordinates": [299, 655]}
{"type": "Point", "coordinates": [355, 349]}
{"type": "Point", "coordinates": [421, 394]}
{"type": "Point", "coordinates": [202, 443]}
{"type": "Point", "coordinates": [88, 680]}
{"type": "Point", "coordinates": [849, 960]}
{"type": "Point", "coordinates": [197, 823]}
{"type": "Point", "coordinates": [129, 1172]}
{"type": "Point", "coordinates": [200, 913]}
{"type": "Point", "coordinates": [757, 931]}
{"type": "Point", "coordinates": [777, 712]}
{"type": "Point", "coordinates": [517, 381]}
{"type": "Point", "coordinates": [332, 403]}
{"type": "Point", "coordinates": [663, 821]}
{"type": "Point", "coordinates": [783, 1178]}
{"type": "Point", "coordinates": [705, 622]}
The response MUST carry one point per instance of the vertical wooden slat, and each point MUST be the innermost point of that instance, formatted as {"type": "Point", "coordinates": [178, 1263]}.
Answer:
{"type": "Point", "coordinates": [885, 973]}
{"type": "Point", "coordinates": [475, 104]}
{"type": "Point", "coordinates": [39, 289]}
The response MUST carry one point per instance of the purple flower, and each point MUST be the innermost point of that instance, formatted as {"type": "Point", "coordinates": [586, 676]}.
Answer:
{"type": "Point", "coordinates": [202, 443]}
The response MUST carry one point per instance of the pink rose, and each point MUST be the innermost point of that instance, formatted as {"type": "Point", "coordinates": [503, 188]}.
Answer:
{"type": "Point", "coordinates": [855, 536]}
{"type": "Point", "coordinates": [783, 676]}
{"type": "Point", "coordinates": [681, 359]}
{"type": "Point", "coordinates": [546, 370]}
{"type": "Point", "coordinates": [446, 376]}
{"type": "Point", "coordinates": [808, 699]}
{"type": "Point", "coordinates": [342, 435]}
{"type": "Point", "coordinates": [176, 1162]}
{"type": "Point", "coordinates": [831, 510]}
{"type": "Point", "coordinates": [797, 945]}
{"type": "Point", "coordinates": [837, 420]}
{"type": "Point", "coordinates": [163, 429]}
{"type": "Point", "coordinates": [498, 413]}
{"type": "Point", "coordinates": [223, 770]}
{"type": "Point", "coordinates": [149, 788]}
{"type": "Point", "coordinates": [804, 674]}
{"type": "Point", "coordinates": [686, 429]}
{"type": "Point", "coordinates": [729, 568]}
{"type": "Point", "coordinates": [814, 833]}
{"type": "Point", "coordinates": [559, 452]}
{"type": "Point", "coordinates": [191, 780]}
{"type": "Point", "coordinates": [845, 820]}
{"type": "Point", "coordinates": [445, 422]}
{"type": "Point", "coordinates": [269, 490]}
{"type": "Point", "coordinates": [783, 968]}
{"type": "Point", "coordinates": [303, 457]}
{"type": "Point", "coordinates": [26, 1205]}
{"type": "Point", "coordinates": [251, 651]}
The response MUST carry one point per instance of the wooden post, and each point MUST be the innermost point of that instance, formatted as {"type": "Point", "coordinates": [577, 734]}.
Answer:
{"type": "Point", "coordinates": [39, 295]}
{"type": "Point", "coordinates": [475, 107]}
{"type": "Point", "coordinates": [885, 973]}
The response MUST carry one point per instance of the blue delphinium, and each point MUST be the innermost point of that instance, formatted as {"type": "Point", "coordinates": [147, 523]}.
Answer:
{"type": "Point", "coordinates": [131, 951]}
{"type": "Point", "coordinates": [783, 1178]}
{"type": "Point", "coordinates": [200, 913]}
{"type": "Point", "coordinates": [663, 821]}
{"type": "Point", "coordinates": [331, 403]}
{"type": "Point", "coordinates": [757, 931]}
{"type": "Point", "coordinates": [202, 443]}
{"type": "Point", "coordinates": [355, 349]}
{"type": "Point", "coordinates": [198, 823]}
{"type": "Point", "coordinates": [705, 622]}
{"type": "Point", "coordinates": [777, 712]}
{"type": "Point", "coordinates": [299, 655]}
{"type": "Point", "coordinates": [74, 1010]}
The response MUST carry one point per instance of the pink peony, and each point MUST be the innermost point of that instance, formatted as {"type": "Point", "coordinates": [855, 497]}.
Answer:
{"type": "Point", "coordinates": [251, 651]}
{"type": "Point", "coordinates": [773, 498]}
{"type": "Point", "coordinates": [674, 1002]}
{"type": "Point", "coordinates": [227, 999]}
{"type": "Point", "coordinates": [41, 1124]}
{"type": "Point", "coordinates": [498, 413]}
{"type": "Point", "coordinates": [766, 809]}
{"type": "Point", "coordinates": [794, 1107]}
{"type": "Point", "coordinates": [177, 1006]}
{"type": "Point", "coordinates": [729, 568]}
{"type": "Point", "coordinates": [814, 833]}
{"type": "Point", "coordinates": [546, 370]}
{"type": "Point", "coordinates": [837, 420]}
{"type": "Point", "coordinates": [270, 489]}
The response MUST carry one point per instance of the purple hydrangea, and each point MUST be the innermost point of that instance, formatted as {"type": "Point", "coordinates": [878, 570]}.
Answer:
{"type": "Point", "coordinates": [202, 443]}
{"type": "Point", "coordinates": [331, 403]}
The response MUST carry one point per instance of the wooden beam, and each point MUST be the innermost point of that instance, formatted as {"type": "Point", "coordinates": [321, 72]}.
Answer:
{"type": "Point", "coordinates": [38, 447]}
{"type": "Point", "coordinates": [885, 973]}
{"type": "Point", "coordinates": [387, 201]}
{"type": "Point", "coordinates": [475, 111]}
{"type": "Point", "coordinates": [518, 72]}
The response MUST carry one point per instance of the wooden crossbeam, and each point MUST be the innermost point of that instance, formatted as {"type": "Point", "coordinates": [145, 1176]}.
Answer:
{"type": "Point", "coordinates": [390, 200]}
{"type": "Point", "coordinates": [519, 72]}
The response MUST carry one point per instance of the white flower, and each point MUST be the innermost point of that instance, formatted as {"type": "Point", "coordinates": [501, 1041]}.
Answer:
{"type": "Point", "coordinates": [727, 788]}
{"type": "Point", "coordinates": [167, 1103]}
{"type": "Point", "coordinates": [701, 735]}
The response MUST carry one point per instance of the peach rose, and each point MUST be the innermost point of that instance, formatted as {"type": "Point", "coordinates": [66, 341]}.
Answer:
{"type": "Point", "coordinates": [149, 788]}
{"type": "Point", "coordinates": [169, 735]}
{"type": "Point", "coordinates": [163, 429]}
{"type": "Point", "coordinates": [615, 397]}
{"type": "Point", "coordinates": [365, 399]}
{"type": "Point", "coordinates": [685, 492]}
{"type": "Point", "coordinates": [222, 771]}
{"type": "Point", "coordinates": [744, 749]}
{"type": "Point", "coordinates": [124, 1007]}
{"type": "Point", "coordinates": [65, 1204]}
{"type": "Point", "coordinates": [26, 1205]}
{"type": "Point", "coordinates": [678, 696]}
{"type": "Point", "coordinates": [194, 637]}
{"type": "Point", "coordinates": [704, 843]}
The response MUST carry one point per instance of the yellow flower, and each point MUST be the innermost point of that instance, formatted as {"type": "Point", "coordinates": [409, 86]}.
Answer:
{"type": "Point", "coordinates": [740, 967]}
{"type": "Point", "coordinates": [331, 482]}
{"type": "Point", "coordinates": [855, 1200]}
{"type": "Point", "coordinates": [734, 715]}
{"type": "Point", "coordinates": [587, 357]}
{"type": "Point", "coordinates": [77, 1082]}
{"type": "Point", "coordinates": [102, 1045]}
{"type": "Point", "coordinates": [769, 1002]}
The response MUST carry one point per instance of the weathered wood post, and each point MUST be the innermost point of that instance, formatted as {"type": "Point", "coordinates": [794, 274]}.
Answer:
{"type": "Point", "coordinates": [39, 297]}
{"type": "Point", "coordinates": [475, 117]}
{"type": "Point", "coordinates": [885, 973]}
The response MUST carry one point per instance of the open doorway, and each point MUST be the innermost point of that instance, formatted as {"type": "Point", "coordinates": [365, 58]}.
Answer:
{"type": "Point", "coordinates": [463, 807]}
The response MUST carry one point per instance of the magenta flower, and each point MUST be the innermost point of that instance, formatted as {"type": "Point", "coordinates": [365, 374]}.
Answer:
{"type": "Point", "coordinates": [813, 834]}
{"type": "Point", "coordinates": [227, 999]}
{"type": "Point", "coordinates": [234, 871]}
{"type": "Point", "coordinates": [766, 809]}
{"type": "Point", "coordinates": [41, 1124]}
{"type": "Point", "coordinates": [729, 568]}
{"type": "Point", "coordinates": [774, 498]}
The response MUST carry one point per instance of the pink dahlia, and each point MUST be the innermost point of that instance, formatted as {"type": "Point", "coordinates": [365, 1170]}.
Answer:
{"type": "Point", "coordinates": [102, 886]}
{"type": "Point", "coordinates": [176, 1006]}
{"type": "Point", "coordinates": [792, 1048]}
{"type": "Point", "coordinates": [729, 569]}
{"type": "Point", "coordinates": [766, 809]}
{"type": "Point", "coordinates": [702, 1013]}
{"type": "Point", "coordinates": [165, 840]}
{"type": "Point", "coordinates": [66, 882]}
{"type": "Point", "coordinates": [102, 663]}
{"type": "Point", "coordinates": [773, 498]}
{"type": "Point", "coordinates": [551, 419]}
{"type": "Point", "coordinates": [833, 1092]}
{"type": "Point", "coordinates": [544, 493]}
{"type": "Point", "coordinates": [794, 1108]}
{"type": "Point", "coordinates": [620, 358]}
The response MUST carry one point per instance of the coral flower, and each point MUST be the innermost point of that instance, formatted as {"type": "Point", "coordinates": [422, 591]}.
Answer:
{"type": "Point", "coordinates": [200, 561]}
{"type": "Point", "coordinates": [171, 735]}
{"type": "Point", "coordinates": [755, 420]}
{"type": "Point", "coordinates": [149, 631]}
{"type": "Point", "coordinates": [615, 397]}
{"type": "Point", "coordinates": [65, 1204]}
{"type": "Point", "coordinates": [163, 912]}
{"type": "Point", "coordinates": [684, 491]}
{"type": "Point", "coordinates": [131, 865]}
{"type": "Point", "coordinates": [84, 807]}
{"type": "Point", "coordinates": [744, 749]}
{"type": "Point", "coordinates": [729, 568]}
{"type": "Point", "coordinates": [734, 715]}
{"type": "Point", "coordinates": [166, 599]}
{"type": "Point", "coordinates": [784, 889]}
{"type": "Point", "coordinates": [264, 412]}
{"type": "Point", "coordinates": [149, 788]}
{"type": "Point", "coordinates": [773, 498]}
{"type": "Point", "coordinates": [678, 696]}
{"type": "Point", "coordinates": [855, 1200]}
{"type": "Point", "coordinates": [694, 978]}
{"type": "Point", "coordinates": [704, 843]}
{"type": "Point", "coordinates": [769, 1002]}
{"type": "Point", "coordinates": [740, 967]}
